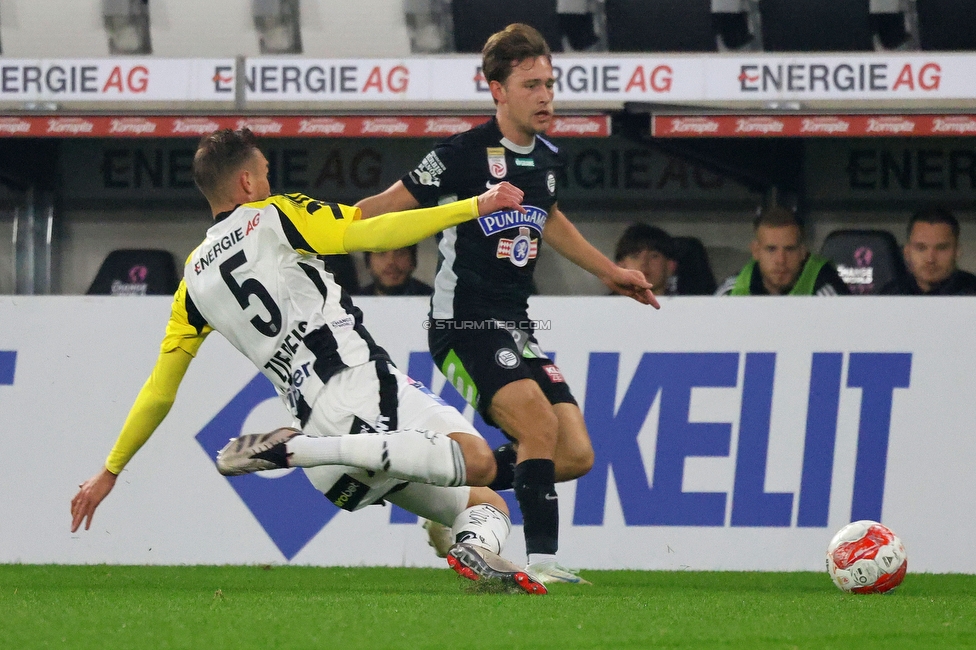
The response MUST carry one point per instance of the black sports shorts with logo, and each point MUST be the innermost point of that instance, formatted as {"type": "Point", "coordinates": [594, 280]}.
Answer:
{"type": "Point", "coordinates": [479, 358]}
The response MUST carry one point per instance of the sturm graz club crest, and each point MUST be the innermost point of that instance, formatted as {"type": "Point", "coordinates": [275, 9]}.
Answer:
{"type": "Point", "coordinates": [519, 250]}
{"type": "Point", "coordinates": [506, 358]}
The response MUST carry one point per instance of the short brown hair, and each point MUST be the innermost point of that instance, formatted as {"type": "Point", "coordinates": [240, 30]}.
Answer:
{"type": "Point", "coordinates": [219, 155]}
{"type": "Point", "coordinates": [776, 216]}
{"type": "Point", "coordinates": [507, 48]}
{"type": "Point", "coordinates": [641, 237]}
{"type": "Point", "coordinates": [934, 214]}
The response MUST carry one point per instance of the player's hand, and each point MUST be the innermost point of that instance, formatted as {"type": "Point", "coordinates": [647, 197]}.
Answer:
{"type": "Point", "coordinates": [629, 282]}
{"type": "Point", "coordinates": [500, 196]}
{"type": "Point", "coordinates": [89, 496]}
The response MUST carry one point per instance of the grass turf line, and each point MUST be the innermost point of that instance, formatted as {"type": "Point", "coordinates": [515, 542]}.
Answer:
{"type": "Point", "coordinates": [106, 607]}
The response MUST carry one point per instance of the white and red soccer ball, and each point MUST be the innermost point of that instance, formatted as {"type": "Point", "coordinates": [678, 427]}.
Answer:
{"type": "Point", "coordinates": [865, 557]}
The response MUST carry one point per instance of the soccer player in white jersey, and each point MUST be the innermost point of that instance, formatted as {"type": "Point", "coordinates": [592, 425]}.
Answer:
{"type": "Point", "coordinates": [257, 278]}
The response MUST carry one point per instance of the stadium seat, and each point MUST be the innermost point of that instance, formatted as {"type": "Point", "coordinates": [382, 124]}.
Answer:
{"type": "Point", "coordinates": [866, 260]}
{"type": "Point", "coordinates": [694, 272]}
{"type": "Point", "coordinates": [660, 26]}
{"type": "Point", "coordinates": [816, 26]}
{"type": "Point", "coordinates": [946, 25]}
{"type": "Point", "coordinates": [476, 20]}
{"type": "Point", "coordinates": [136, 272]}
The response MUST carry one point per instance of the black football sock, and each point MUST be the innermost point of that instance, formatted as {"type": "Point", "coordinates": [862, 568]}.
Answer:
{"type": "Point", "coordinates": [505, 460]}
{"type": "Point", "coordinates": [535, 489]}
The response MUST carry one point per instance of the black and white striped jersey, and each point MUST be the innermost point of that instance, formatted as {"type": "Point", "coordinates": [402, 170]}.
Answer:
{"type": "Point", "coordinates": [485, 266]}
{"type": "Point", "coordinates": [259, 280]}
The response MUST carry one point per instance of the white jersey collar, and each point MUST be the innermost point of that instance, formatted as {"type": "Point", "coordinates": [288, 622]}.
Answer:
{"type": "Point", "coordinates": [508, 144]}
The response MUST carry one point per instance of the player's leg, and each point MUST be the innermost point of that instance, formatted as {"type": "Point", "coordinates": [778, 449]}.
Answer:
{"type": "Point", "coordinates": [363, 399]}
{"type": "Point", "coordinates": [574, 451]}
{"type": "Point", "coordinates": [407, 454]}
{"type": "Point", "coordinates": [573, 457]}
{"type": "Point", "coordinates": [478, 521]}
{"type": "Point", "coordinates": [523, 412]}
{"type": "Point", "coordinates": [470, 514]}
{"type": "Point", "coordinates": [494, 371]}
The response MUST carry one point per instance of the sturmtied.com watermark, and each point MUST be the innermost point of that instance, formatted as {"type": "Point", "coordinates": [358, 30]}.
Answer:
{"type": "Point", "coordinates": [527, 325]}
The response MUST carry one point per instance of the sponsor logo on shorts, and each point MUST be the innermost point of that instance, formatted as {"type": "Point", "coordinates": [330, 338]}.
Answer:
{"type": "Point", "coordinates": [346, 321]}
{"type": "Point", "coordinates": [347, 492]}
{"type": "Point", "coordinates": [506, 358]}
{"type": "Point", "coordinates": [555, 375]}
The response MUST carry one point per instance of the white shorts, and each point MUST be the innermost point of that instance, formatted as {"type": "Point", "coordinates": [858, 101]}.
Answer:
{"type": "Point", "coordinates": [373, 398]}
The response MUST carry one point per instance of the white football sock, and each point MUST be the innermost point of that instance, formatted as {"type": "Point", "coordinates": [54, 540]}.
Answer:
{"type": "Point", "coordinates": [410, 454]}
{"type": "Point", "coordinates": [482, 525]}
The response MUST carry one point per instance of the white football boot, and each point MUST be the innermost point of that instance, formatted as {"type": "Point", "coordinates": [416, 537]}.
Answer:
{"type": "Point", "coordinates": [549, 571]}
{"type": "Point", "coordinates": [254, 452]}
{"type": "Point", "coordinates": [440, 537]}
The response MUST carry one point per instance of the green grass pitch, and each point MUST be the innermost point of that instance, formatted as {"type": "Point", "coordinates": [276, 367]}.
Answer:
{"type": "Point", "coordinates": [239, 608]}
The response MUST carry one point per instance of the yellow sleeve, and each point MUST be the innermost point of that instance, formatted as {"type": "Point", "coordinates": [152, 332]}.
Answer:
{"type": "Point", "coordinates": [333, 229]}
{"type": "Point", "coordinates": [312, 227]}
{"type": "Point", "coordinates": [150, 407]}
{"type": "Point", "coordinates": [185, 333]}
{"type": "Point", "coordinates": [186, 328]}
{"type": "Point", "coordinates": [398, 229]}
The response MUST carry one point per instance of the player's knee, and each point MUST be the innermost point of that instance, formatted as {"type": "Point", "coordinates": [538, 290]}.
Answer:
{"type": "Point", "coordinates": [535, 424]}
{"type": "Point", "coordinates": [574, 463]}
{"type": "Point", "coordinates": [479, 461]}
{"type": "Point", "coordinates": [543, 426]}
{"type": "Point", "coordinates": [479, 495]}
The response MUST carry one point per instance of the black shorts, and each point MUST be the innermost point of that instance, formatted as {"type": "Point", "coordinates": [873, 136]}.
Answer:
{"type": "Point", "coordinates": [478, 362]}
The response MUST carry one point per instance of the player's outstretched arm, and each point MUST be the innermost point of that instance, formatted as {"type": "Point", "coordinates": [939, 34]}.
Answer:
{"type": "Point", "coordinates": [399, 229]}
{"type": "Point", "coordinates": [148, 411]}
{"type": "Point", "coordinates": [563, 236]}
{"type": "Point", "coordinates": [395, 198]}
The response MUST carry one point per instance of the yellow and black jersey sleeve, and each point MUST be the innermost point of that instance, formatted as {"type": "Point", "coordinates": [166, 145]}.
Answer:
{"type": "Point", "coordinates": [398, 229]}
{"type": "Point", "coordinates": [312, 227]}
{"type": "Point", "coordinates": [316, 227]}
{"type": "Point", "coordinates": [187, 328]}
{"type": "Point", "coordinates": [150, 408]}
{"type": "Point", "coordinates": [185, 332]}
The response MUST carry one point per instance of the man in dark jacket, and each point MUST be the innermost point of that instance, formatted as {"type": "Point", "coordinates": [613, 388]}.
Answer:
{"type": "Point", "coordinates": [931, 255]}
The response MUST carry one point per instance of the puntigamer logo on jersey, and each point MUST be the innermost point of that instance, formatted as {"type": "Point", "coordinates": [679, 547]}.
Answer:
{"type": "Point", "coordinates": [496, 222]}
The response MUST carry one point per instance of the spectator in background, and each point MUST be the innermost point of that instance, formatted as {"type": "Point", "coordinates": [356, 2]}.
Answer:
{"type": "Point", "coordinates": [651, 251]}
{"type": "Point", "coordinates": [781, 264]}
{"type": "Point", "coordinates": [931, 255]}
{"type": "Point", "coordinates": [392, 273]}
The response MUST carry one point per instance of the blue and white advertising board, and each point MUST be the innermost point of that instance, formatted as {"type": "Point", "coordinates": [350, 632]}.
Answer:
{"type": "Point", "coordinates": [730, 433]}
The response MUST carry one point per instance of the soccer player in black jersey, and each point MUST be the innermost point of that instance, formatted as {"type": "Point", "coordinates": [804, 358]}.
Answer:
{"type": "Point", "coordinates": [480, 335]}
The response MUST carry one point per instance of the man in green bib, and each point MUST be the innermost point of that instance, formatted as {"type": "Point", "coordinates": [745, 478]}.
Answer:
{"type": "Point", "coordinates": [781, 265]}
